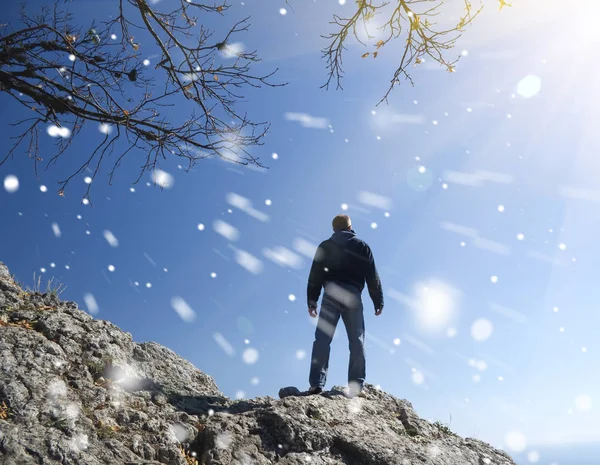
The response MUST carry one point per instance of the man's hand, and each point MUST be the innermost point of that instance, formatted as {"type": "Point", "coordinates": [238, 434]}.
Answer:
{"type": "Point", "coordinates": [312, 312]}
{"type": "Point", "coordinates": [378, 311]}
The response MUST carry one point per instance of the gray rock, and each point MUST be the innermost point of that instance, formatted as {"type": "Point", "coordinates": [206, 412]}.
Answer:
{"type": "Point", "coordinates": [77, 390]}
{"type": "Point", "coordinates": [289, 391]}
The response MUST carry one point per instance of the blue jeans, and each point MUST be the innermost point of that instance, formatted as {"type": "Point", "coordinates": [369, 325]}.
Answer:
{"type": "Point", "coordinates": [339, 299]}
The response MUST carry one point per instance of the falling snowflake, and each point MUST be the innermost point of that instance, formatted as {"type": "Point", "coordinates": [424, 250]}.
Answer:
{"type": "Point", "coordinates": [255, 381]}
{"type": "Point", "coordinates": [43, 188]}
{"type": "Point", "coordinates": [417, 377]}
{"type": "Point", "coordinates": [56, 389]}
{"type": "Point", "coordinates": [500, 208]}
{"type": "Point", "coordinates": [481, 329]}
{"type": "Point", "coordinates": [56, 229]}
{"type": "Point", "coordinates": [344, 206]}
{"type": "Point", "coordinates": [179, 432]}
{"type": "Point", "coordinates": [275, 156]}
{"type": "Point", "coordinates": [225, 440]}
{"type": "Point", "coordinates": [451, 332]}
{"type": "Point", "coordinates": [11, 183]}
{"type": "Point", "coordinates": [583, 402]}
{"type": "Point", "coordinates": [533, 456]}
{"type": "Point", "coordinates": [72, 57]}
{"type": "Point", "coordinates": [183, 309]}
{"type": "Point", "coordinates": [515, 441]}
{"type": "Point", "coordinates": [86, 201]}
{"type": "Point", "coordinates": [163, 179]}
{"type": "Point", "coordinates": [283, 257]}
{"type": "Point", "coordinates": [268, 202]}
{"type": "Point", "coordinates": [226, 230]}
{"type": "Point", "coordinates": [146, 62]}
{"type": "Point", "coordinates": [113, 36]}
{"type": "Point", "coordinates": [373, 225]}
{"type": "Point", "coordinates": [78, 443]}
{"type": "Point", "coordinates": [213, 275]}
{"type": "Point", "coordinates": [562, 246]}
{"type": "Point", "coordinates": [282, 11]}
{"type": "Point", "coordinates": [110, 238]}
{"type": "Point", "coordinates": [520, 236]}
{"type": "Point", "coordinates": [529, 86]}
{"type": "Point", "coordinates": [111, 268]}
{"type": "Point", "coordinates": [250, 356]}
{"type": "Point", "coordinates": [55, 131]}
{"type": "Point", "coordinates": [87, 180]}
{"type": "Point", "coordinates": [90, 303]}
{"type": "Point", "coordinates": [397, 341]}
{"type": "Point", "coordinates": [105, 128]}
{"type": "Point", "coordinates": [200, 227]}
{"type": "Point", "coordinates": [132, 189]}
{"type": "Point", "coordinates": [52, 265]}
{"type": "Point", "coordinates": [224, 344]}
{"type": "Point", "coordinates": [481, 365]}
{"type": "Point", "coordinates": [148, 285]}
{"type": "Point", "coordinates": [300, 354]}
{"type": "Point", "coordinates": [494, 279]}
{"type": "Point", "coordinates": [292, 297]}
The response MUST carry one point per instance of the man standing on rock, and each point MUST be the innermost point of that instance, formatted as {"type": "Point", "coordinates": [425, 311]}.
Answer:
{"type": "Point", "coordinates": [341, 266]}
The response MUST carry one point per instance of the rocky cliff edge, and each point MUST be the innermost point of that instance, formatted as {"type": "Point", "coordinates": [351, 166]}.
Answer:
{"type": "Point", "coordinates": [77, 390]}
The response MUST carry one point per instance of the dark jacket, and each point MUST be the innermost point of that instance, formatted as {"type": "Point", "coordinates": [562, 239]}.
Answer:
{"type": "Point", "coordinates": [344, 257]}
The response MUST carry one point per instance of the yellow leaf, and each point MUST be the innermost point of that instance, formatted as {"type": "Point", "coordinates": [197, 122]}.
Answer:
{"type": "Point", "coordinates": [375, 54]}
{"type": "Point", "coordinates": [365, 55]}
{"type": "Point", "coordinates": [379, 44]}
{"type": "Point", "coordinates": [220, 8]}
{"type": "Point", "coordinates": [503, 3]}
{"type": "Point", "coordinates": [125, 112]}
{"type": "Point", "coordinates": [135, 46]}
{"type": "Point", "coordinates": [215, 77]}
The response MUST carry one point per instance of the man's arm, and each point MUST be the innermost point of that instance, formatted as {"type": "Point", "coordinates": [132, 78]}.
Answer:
{"type": "Point", "coordinates": [316, 278]}
{"type": "Point", "coordinates": [373, 281]}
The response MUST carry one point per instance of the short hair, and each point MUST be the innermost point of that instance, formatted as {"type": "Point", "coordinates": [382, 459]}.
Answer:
{"type": "Point", "coordinates": [341, 222]}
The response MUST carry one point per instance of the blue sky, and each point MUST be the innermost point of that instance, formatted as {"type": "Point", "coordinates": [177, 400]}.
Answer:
{"type": "Point", "coordinates": [475, 190]}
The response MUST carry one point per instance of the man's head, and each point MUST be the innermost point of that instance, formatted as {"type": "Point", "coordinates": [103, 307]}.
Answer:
{"type": "Point", "coordinates": [341, 223]}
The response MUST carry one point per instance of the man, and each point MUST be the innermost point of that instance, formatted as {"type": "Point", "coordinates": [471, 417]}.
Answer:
{"type": "Point", "coordinates": [341, 265]}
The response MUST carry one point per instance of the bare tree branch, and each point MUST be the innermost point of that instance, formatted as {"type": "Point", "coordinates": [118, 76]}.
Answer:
{"type": "Point", "coordinates": [411, 19]}
{"type": "Point", "coordinates": [69, 76]}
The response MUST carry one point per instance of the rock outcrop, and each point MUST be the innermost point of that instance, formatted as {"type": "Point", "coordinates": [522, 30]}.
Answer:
{"type": "Point", "coordinates": [77, 390]}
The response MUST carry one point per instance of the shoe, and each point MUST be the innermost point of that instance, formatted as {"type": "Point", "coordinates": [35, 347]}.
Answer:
{"type": "Point", "coordinates": [315, 390]}
{"type": "Point", "coordinates": [354, 391]}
